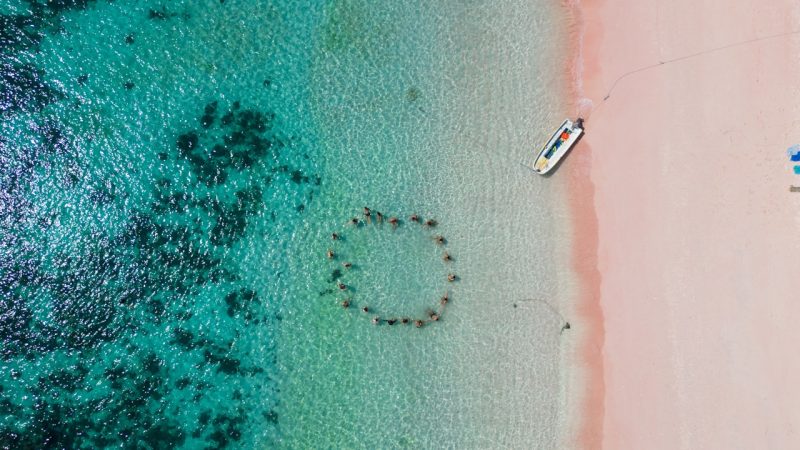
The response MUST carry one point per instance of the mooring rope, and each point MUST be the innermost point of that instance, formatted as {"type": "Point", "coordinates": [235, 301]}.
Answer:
{"type": "Point", "coordinates": [564, 322]}
{"type": "Point", "coordinates": [694, 55]}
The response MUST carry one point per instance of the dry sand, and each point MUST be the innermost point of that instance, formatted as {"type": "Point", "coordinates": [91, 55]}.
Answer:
{"type": "Point", "coordinates": [687, 237]}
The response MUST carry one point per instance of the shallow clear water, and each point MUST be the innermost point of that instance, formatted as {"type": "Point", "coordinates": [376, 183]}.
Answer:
{"type": "Point", "coordinates": [171, 174]}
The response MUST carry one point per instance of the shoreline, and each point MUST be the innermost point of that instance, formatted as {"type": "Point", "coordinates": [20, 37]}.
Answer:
{"type": "Point", "coordinates": [694, 227]}
{"type": "Point", "coordinates": [587, 382]}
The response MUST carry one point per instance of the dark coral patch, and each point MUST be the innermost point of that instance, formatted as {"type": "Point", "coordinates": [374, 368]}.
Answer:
{"type": "Point", "coordinates": [187, 142]}
{"type": "Point", "coordinates": [228, 118]}
{"type": "Point", "coordinates": [271, 416]}
{"type": "Point", "coordinates": [61, 6]}
{"type": "Point", "coordinates": [157, 14]}
{"type": "Point", "coordinates": [226, 428]}
{"type": "Point", "coordinates": [14, 326]}
{"type": "Point", "coordinates": [134, 287]}
{"type": "Point", "coordinates": [225, 364]}
{"type": "Point", "coordinates": [19, 32]}
{"type": "Point", "coordinates": [67, 379]}
{"type": "Point", "coordinates": [22, 88]}
{"type": "Point", "coordinates": [240, 300]}
{"type": "Point", "coordinates": [335, 275]}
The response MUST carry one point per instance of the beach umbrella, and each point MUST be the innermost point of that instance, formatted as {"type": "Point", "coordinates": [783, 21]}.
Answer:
{"type": "Point", "coordinates": [794, 152]}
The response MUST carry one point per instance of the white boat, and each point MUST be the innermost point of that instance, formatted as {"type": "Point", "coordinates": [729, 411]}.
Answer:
{"type": "Point", "coordinates": [559, 144]}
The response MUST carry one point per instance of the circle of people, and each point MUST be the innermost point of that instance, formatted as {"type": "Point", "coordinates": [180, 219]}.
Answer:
{"type": "Point", "coordinates": [376, 217]}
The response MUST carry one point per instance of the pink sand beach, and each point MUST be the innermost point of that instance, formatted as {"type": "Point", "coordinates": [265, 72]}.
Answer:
{"type": "Point", "coordinates": [687, 235]}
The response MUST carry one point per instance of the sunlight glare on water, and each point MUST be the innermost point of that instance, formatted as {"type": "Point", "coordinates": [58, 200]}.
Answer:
{"type": "Point", "coordinates": [171, 174]}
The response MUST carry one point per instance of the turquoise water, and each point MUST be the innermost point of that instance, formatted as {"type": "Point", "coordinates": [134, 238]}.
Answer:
{"type": "Point", "coordinates": [171, 174]}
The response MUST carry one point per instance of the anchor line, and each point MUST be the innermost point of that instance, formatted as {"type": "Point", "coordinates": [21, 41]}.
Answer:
{"type": "Point", "coordinates": [566, 325]}
{"type": "Point", "coordinates": [694, 55]}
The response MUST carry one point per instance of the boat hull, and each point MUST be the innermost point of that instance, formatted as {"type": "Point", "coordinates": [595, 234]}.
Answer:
{"type": "Point", "coordinates": [557, 146]}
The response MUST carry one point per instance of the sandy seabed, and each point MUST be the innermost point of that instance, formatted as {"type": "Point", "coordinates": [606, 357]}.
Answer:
{"type": "Point", "coordinates": [687, 234]}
